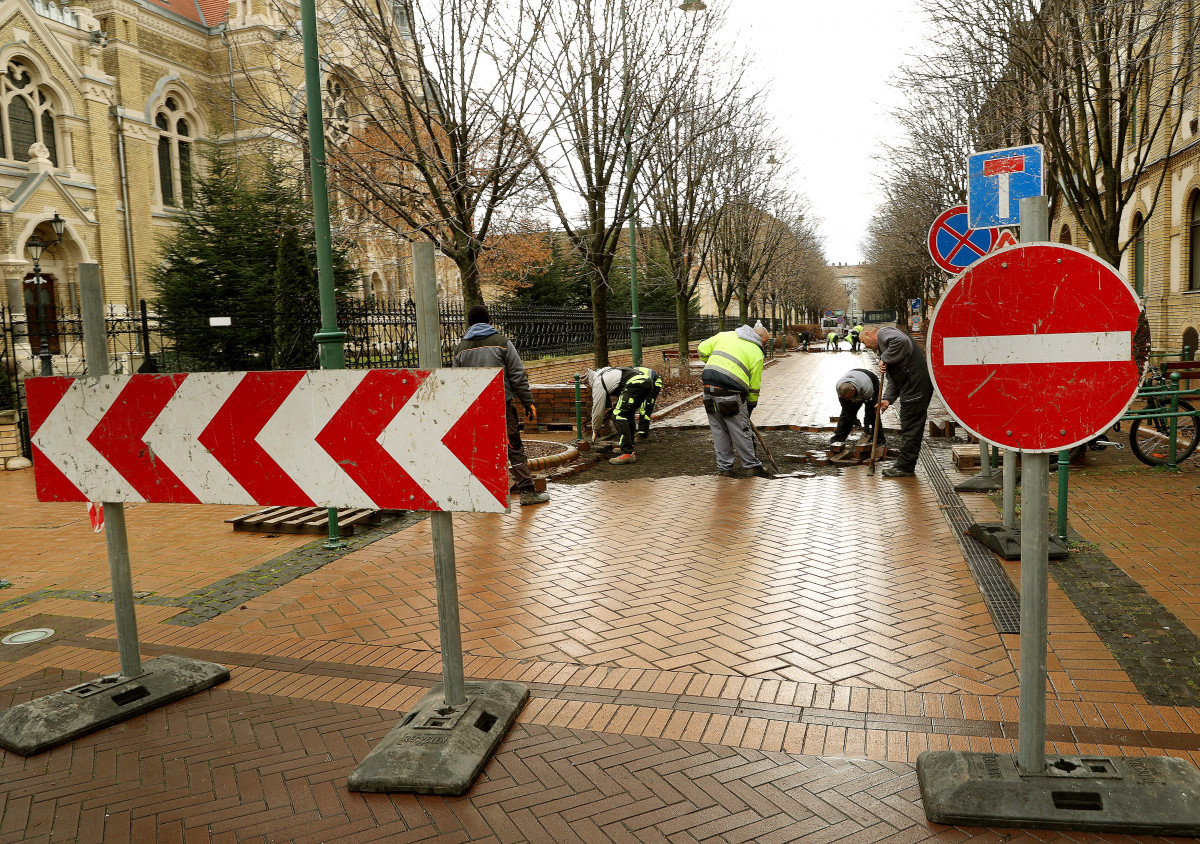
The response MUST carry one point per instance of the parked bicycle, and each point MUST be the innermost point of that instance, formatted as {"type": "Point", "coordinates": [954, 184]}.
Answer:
{"type": "Point", "coordinates": [1150, 436]}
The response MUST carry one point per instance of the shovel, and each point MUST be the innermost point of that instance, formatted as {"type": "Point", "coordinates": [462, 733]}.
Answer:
{"type": "Point", "coordinates": [875, 430]}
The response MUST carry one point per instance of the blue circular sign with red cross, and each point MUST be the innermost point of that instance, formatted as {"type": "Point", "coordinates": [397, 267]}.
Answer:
{"type": "Point", "coordinates": [954, 245]}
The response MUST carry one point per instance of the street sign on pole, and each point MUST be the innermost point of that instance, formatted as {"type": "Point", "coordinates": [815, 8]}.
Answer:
{"type": "Point", "coordinates": [1032, 348]}
{"type": "Point", "coordinates": [954, 245]}
{"type": "Point", "coordinates": [381, 438]}
{"type": "Point", "coordinates": [1020, 367]}
{"type": "Point", "coordinates": [998, 179]}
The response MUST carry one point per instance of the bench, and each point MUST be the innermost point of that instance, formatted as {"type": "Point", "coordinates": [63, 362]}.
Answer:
{"type": "Point", "coordinates": [1187, 369]}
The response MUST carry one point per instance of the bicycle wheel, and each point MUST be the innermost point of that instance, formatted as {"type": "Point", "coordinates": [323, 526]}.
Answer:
{"type": "Point", "coordinates": [1150, 439]}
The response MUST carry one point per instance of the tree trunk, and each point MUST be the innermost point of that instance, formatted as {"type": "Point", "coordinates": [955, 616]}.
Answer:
{"type": "Point", "coordinates": [681, 323]}
{"type": "Point", "coordinates": [743, 295]}
{"type": "Point", "coordinates": [599, 317]}
{"type": "Point", "coordinates": [468, 271]}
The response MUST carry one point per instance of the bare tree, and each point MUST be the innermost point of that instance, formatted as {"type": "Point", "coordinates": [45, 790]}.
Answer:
{"type": "Point", "coordinates": [605, 78]}
{"type": "Point", "coordinates": [1102, 83]}
{"type": "Point", "coordinates": [431, 114]}
{"type": "Point", "coordinates": [682, 194]}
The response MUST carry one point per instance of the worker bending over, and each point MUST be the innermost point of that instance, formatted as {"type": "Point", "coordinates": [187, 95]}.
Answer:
{"type": "Point", "coordinates": [858, 388]}
{"type": "Point", "coordinates": [833, 342]}
{"type": "Point", "coordinates": [907, 380]}
{"type": "Point", "coordinates": [635, 390]}
{"type": "Point", "coordinates": [732, 379]}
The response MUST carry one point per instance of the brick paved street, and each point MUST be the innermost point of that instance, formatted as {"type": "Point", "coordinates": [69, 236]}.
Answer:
{"type": "Point", "coordinates": [709, 659]}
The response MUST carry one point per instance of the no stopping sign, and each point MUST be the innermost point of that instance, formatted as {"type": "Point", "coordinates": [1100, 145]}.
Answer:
{"type": "Point", "coordinates": [1032, 347]}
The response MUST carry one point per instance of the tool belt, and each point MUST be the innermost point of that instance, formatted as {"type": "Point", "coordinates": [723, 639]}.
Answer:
{"type": "Point", "coordinates": [723, 402]}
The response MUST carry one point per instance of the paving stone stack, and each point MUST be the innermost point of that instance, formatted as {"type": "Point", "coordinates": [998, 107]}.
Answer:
{"type": "Point", "coordinates": [556, 404]}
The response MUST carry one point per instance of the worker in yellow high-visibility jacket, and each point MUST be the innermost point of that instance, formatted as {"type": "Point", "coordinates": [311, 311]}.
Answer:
{"type": "Point", "coordinates": [732, 379]}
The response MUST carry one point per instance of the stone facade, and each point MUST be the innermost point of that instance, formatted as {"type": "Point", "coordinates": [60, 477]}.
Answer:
{"type": "Point", "coordinates": [105, 105]}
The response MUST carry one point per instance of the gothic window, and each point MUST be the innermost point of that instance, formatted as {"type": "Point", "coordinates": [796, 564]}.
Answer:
{"type": "Point", "coordinates": [26, 114]}
{"type": "Point", "coordinates": [1139, 255]}
{"type": "Point", "coordinates": [175, 137]}
{"type": "Point", "coordinates": [1194, 244]}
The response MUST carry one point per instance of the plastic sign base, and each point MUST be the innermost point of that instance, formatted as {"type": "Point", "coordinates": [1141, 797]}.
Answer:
{"type": "Point", "coordinates": [56, 719]}
{"type": "Point", "coordinates": [1145, 795]}
{"type": "Point", "coordinates": [436, 749]}
{"type": "Point", "coordinates": [1007, 543]}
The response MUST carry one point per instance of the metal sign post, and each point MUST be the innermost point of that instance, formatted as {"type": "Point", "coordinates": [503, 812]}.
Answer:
{"type": "Point", "coordinates": [140, 687]}
{"type": "Point", "coordinates": [442, 744]}
{"type": "Point", "coordinates": [1014, 364]}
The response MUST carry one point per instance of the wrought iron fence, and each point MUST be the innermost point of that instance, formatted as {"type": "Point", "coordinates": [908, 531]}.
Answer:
{"type": "Point", "coordinates": [379, 334]}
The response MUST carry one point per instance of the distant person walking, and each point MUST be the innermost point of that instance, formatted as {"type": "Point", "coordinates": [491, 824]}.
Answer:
{"type": "Point", "coordinates": [732, 378]}
{"type": "Point", "coordinates": [907, 381]}
{"type": "Point", "coordinates": [485, 347]}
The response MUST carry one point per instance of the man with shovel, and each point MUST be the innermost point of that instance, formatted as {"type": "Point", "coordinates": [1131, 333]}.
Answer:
{"type": "Point", "coordinates": [908, 381]}
{"type": "Point", "coordinates": [732, 378]}
{"type": "Point", "coordinates": [858, 388]}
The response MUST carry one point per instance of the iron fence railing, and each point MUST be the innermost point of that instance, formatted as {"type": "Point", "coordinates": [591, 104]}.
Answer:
{"type": "Point", "coordinates": [379, 334]}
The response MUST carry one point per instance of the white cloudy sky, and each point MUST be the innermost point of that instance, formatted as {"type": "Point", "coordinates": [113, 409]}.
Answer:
{"type": "Point", "coordinates": [829, 65]}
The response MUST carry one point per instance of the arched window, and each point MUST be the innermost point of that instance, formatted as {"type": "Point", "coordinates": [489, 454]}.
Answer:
{"type": "Point", "coordinates": [26, 114]}
{"type": "Point", "coordinates": [1064, 236]}
{"type": "Point", "coordinates": [1139, 254]}
{"type": "Point", "coordinates": [337, 109]}
{"type": "Point", "coordinates": [175, 129]}
{"type": "Point", "coordinates": [1194, 244]}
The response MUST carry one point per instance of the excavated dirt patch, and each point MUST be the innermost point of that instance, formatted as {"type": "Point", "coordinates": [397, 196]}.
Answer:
{"type": "Point", "coordinates": [676, 452]}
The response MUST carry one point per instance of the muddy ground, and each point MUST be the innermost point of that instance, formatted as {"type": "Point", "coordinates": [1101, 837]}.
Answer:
{"type": "Point", "coordinates": [674, 452]}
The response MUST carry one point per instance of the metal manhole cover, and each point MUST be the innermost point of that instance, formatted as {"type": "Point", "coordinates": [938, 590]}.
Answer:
{"type": "Point", "coordinates": [26, 637]}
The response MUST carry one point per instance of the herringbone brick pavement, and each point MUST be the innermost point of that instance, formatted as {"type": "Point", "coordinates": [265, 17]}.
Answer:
{"type": "Point", "coordinates": [242, 768]}
{"type": "Point", "coordinates": [805, 581]}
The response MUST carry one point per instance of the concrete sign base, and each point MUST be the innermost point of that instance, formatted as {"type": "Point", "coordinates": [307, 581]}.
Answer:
{"type": "Point", "coordinates": [1007, 543]}
{"type": "Point", "coordinates": [1150, 795]}
{"type": "Point", "coordinates": [55, 719]}
{"type": "Point", "coordinates": [981, 483]}
{"type": "Point", "coordinates": [437, 749]}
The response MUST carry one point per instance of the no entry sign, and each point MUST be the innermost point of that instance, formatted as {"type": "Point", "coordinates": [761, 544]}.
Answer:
{"type": "Point", "coordinates": [954, 245]}
{"type": "Point", "coordinates": [388, 438]}
{"type": "Point", "coordinates": [1032, 347]}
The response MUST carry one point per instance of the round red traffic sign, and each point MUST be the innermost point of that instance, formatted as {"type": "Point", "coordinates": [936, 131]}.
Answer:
{"type": "Point", "coordinates": [1032, 347]}
{"type": "Point", "coordinates": [954, 245]}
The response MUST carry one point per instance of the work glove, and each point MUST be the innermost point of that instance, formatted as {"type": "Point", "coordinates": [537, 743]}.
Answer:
{"type": "Point", "coordinates": [751, 406]}
{"type": "Point", "coordinates": [530, 411]}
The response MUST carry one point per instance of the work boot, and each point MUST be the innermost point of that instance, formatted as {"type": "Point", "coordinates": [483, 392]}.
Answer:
{"type": "Point", "coordinates": [895, 471]}
{"type": "Point", "coordinates": [759, 471]}
{"type": "Point", "coordinates": [623, 459]}
{"type": "Point", "coordinates": [643, 435]}
{"type": "Point", "coordinates": [727, 473]}
{"type": "Point", "coordinates": [534, 497]}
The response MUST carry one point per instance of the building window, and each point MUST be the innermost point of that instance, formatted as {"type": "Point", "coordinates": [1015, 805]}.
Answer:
{"type": "Point", "coordinates": [26, 114]}
{"type": "Point", "coordinates": [1064, 235]}
{"type": "Point", "coordinates": [174, 154]}
{"type": "Point", "coordinates": [1194, 245]}
{"type": "Point", "coordinates": [1139, 255]}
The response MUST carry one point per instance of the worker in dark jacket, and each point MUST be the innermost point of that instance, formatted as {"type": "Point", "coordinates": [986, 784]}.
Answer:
{"type": "Point", "coordinates": [485, 347]}
{"type": "Point", "coordinates": [858, 388]}
{"type": "Point", "coordinates": [907, 381]}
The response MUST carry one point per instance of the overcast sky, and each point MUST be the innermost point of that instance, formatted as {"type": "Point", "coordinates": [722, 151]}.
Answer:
{"type": "Point", "coordinates": [829, 65]}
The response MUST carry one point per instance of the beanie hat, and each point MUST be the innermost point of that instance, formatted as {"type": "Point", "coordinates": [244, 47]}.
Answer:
{"type": "Point", "coordinates": [477, 314]}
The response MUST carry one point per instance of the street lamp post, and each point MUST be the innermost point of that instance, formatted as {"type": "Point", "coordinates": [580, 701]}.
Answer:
{"type": "Point", "coordinates": [635, 327]}
{"type": "Point", "coordinates": [36, 245]}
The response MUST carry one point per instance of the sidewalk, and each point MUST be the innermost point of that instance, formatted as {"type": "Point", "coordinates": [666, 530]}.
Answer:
{"type": "Point", "coordinates": [709, 659]}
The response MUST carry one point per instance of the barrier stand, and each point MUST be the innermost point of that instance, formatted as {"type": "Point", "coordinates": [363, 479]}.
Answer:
{"type": "Point", "coordinates": [442, 744]}
{"type": "Point", "coordinates": [55, 719]}
{"type": "Point", "coordinates": [985, 481]}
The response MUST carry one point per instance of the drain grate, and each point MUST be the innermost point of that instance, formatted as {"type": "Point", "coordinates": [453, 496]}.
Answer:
{"type": "Point", "coordinates": [999, 595]}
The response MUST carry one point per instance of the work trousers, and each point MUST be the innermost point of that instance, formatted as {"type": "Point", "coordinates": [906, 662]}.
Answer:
{"type": "Point", "coordinates": [634, 395]}
{"type": "Point", "coordinates": [732, 435]}
{"type": "Point", "coordinates": [914, 412]}
{"type": "Point", "coordinates": [518, 462]}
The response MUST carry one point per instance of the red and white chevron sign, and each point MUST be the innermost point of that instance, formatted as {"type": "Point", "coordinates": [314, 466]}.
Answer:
{"type": "Point", "coordinates": [388, 438]}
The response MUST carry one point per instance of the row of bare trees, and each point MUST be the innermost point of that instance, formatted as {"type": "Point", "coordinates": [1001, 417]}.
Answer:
{"type": "Point", "coordinates": [460, 120]}
{"type": "Point", "coordinates": [1104, 85]}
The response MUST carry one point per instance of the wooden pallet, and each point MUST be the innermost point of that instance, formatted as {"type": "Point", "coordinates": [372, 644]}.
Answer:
{"type": "Point", "coordinates": [966, 456]}
{"type": "Point", "coordinates": [314, 520]}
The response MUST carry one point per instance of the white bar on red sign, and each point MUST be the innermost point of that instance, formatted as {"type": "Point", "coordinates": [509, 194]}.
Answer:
{"type": "Point", "coordinates": [1083, 347]}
